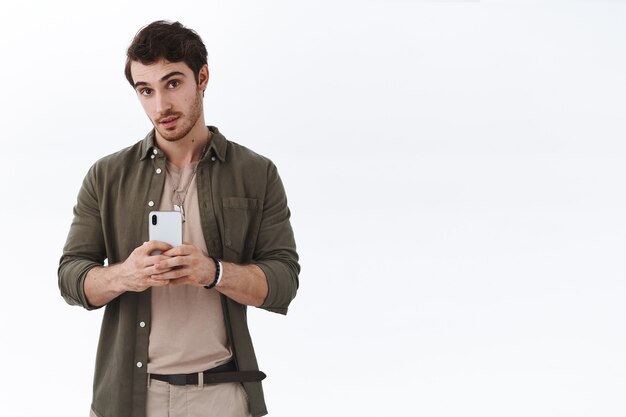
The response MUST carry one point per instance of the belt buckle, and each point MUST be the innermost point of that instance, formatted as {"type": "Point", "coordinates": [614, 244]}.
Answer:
{"type": "Point", "coordinates": [179, 379]}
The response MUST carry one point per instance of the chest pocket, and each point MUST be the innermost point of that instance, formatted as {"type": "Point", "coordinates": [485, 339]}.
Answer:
{"type": "Point", "coordinates": [242, 219]}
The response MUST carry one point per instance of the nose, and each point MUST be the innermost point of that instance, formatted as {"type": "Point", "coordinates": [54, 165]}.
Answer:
{"type": "Point", "coordinates": [162, 103]}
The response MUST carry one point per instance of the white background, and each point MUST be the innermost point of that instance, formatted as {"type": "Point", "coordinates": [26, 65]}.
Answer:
{"type": "Point", "coordinates": [455, 172]}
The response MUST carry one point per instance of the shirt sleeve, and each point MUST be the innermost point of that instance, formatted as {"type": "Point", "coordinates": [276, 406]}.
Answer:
{"type": "Point", "coordinates": [275, 250]}
{"type": "Point", "coordinates": [84, 248]}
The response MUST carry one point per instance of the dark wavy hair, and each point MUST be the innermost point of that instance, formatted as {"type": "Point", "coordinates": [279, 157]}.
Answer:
{"type": "Point", "coordinates": [169, 40]}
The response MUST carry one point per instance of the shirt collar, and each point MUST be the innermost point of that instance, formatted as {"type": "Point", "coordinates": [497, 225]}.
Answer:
{"type": "Point", "coordinates": [218, 144]}
{"type": "Point", "coordinates": [217, 147]}
{"type": "Point", "coordinates": [147, 145]}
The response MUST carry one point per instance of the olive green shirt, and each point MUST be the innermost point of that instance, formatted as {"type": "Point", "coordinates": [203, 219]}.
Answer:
{"type": "Point", "coordinates": [245, 220]}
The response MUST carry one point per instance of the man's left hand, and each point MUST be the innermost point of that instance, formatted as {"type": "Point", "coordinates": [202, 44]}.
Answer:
{"type": "Point", "coordinates": [190, 266]}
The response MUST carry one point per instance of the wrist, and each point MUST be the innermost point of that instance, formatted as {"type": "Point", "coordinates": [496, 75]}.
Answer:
{"type": "Point", "coordinates": [219, 269]}
{"type": "Point", "coordinates": [117, 277]}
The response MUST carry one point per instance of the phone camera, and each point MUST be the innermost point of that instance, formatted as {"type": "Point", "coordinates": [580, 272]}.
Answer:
{"type": "Point", "coordinates": [154, 219]}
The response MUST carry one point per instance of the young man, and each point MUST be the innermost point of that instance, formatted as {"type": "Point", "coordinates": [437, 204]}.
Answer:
{"type": "Point", "coordinates": [174, 338]}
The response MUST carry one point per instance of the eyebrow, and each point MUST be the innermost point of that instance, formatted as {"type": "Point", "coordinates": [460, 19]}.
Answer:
{"type": "Point", "coordinates": [164, 78]}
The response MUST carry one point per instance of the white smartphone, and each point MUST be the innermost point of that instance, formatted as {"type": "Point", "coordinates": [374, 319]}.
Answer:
{"type": "Point", "coordinates": [166, 226]}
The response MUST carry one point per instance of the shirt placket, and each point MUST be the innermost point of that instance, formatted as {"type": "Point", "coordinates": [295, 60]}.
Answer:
{"type": "Point", "coordinates": [143, 320]}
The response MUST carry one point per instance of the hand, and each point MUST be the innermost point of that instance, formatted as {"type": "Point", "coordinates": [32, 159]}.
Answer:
{"type": "Point", "coordinates": [185, 264]}
{"type": "Point", "coordinates": [137, 270]}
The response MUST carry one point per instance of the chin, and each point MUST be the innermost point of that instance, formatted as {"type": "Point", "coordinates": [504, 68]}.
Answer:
{"type": "Point", "coordinates": [172, 138]}
{"type": "Point", "coordinates": [173, 135]}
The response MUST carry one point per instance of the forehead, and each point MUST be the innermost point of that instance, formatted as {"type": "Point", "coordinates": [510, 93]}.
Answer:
{"type": "Point", "coordinates": [153, 73]}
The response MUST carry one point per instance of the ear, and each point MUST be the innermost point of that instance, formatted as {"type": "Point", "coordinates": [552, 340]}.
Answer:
{"type": "Point", "coordinates": [203, 77]}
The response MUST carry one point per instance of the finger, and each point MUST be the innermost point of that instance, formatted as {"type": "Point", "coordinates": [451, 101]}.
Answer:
{"type": "Point", "coordinates": [154, 245]}
{"type": "Point", "coordinates": [173, 262]}
{"type": "Point", "coordinates": [156, 282]}
{"type": "Point", "coordinates": [153, 260]}
{"type": "Point", "coordinates": [182, 250]}
{"type": "Point", "coordinates": [153, 270]}
{"type": "Point", "coordinates": [173, 274]}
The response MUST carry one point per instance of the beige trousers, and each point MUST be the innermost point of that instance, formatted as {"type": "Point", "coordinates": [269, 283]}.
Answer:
{"type": "Point", "coordinates": [217, 400]}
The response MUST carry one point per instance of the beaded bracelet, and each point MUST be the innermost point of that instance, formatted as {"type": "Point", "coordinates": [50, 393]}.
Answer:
{"type": "Point", "coordinates": [218, 273]}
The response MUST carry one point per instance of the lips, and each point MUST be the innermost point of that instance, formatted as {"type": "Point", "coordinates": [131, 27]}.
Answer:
{"type": "Point", "coordinates": [168, 122]}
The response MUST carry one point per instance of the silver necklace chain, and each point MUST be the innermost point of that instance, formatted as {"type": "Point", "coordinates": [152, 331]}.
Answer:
{"type": "Point", "coordinates": [180, 207]}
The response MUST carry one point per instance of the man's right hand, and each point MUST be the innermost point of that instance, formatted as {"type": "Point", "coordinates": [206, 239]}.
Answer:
{"type": "Point", "coordinates": [103, 284]}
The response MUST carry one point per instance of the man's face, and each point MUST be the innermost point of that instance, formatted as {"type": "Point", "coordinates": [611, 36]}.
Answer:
{"type": "Point", "coordinates": [170, 96]}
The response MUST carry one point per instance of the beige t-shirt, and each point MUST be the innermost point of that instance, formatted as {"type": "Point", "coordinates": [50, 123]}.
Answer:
{"type": "Point", "coordinates": [188, 333]}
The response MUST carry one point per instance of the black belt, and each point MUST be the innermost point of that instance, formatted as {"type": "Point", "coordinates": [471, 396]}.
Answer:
{"type": "Point", "coordinates": [223, 373]}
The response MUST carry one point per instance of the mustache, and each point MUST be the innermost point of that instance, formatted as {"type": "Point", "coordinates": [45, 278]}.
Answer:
{"type": "Point", "coordinates": [168, 115]}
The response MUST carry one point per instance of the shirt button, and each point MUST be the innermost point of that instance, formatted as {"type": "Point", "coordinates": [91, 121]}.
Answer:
{"type": "Point", "coordinates": [154, 151]}
{"type": "Point", "coordinates": [213, 158]}
{"type": "Point", "coordinates": [139, 364]}
{"type": "Point", "coordinates": [151, 156]}
{"type": "Point", "coordinates": [142, 324]}
{"type": "Point", "coordinates": [158, 170]}
{"type": "Point", "coordinates": [151, 203]}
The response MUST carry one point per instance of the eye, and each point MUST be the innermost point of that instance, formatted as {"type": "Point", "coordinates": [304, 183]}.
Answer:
{"type": "Point", "coordinates": [173, 83]}
{"type": "Point", "coordinates": [145, 91]}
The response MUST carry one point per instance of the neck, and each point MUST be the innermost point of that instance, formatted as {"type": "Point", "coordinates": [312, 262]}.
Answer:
{"type": "Point", "coordinates": [188, 149]}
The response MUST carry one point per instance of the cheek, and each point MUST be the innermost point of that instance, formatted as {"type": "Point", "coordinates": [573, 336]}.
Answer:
{"type": "Point", "coordinates": [148, 107]}
{"type": "Point", "coordinates": [191, 95]}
